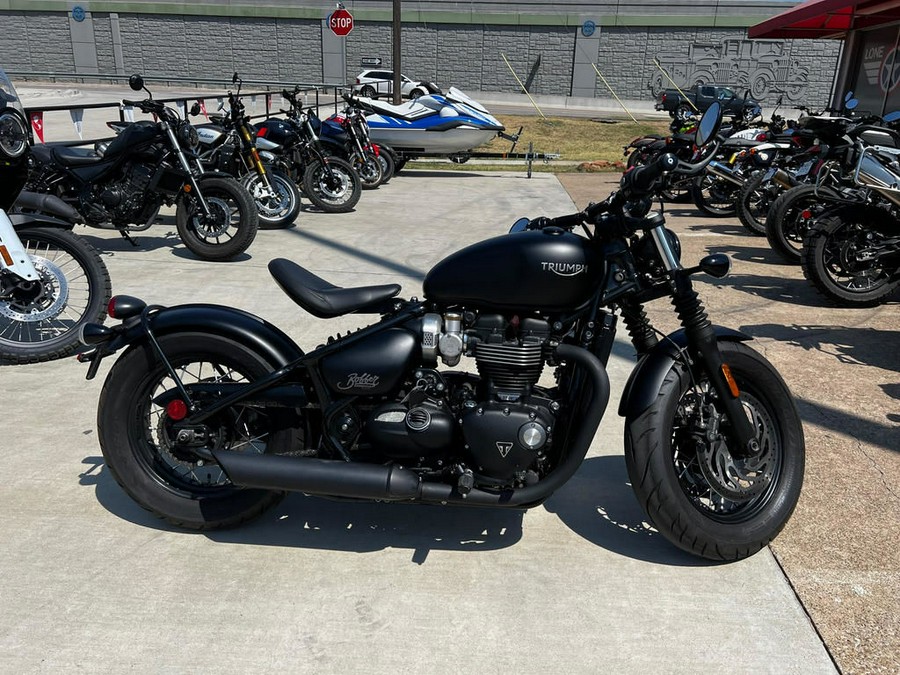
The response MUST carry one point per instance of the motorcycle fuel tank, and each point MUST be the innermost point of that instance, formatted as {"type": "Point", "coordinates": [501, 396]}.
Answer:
{"type": "Point", "coordinates": [373, 366]}
{"type": "Point", "coordinates": [539, 270]}
{"type": "Point", "coordinates": [131, 137]}
{"type": "Point", "coordinates": [274, 131]}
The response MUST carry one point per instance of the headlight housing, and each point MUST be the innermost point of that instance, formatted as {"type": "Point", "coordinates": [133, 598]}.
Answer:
{"type": "Point", "coordinates": [187, 135]}
{"type": "Point", "coordinates": [13, 134]}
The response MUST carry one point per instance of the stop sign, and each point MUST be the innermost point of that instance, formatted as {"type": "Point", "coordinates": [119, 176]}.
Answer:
{"type": "Point", "coordinates": [340, 22]}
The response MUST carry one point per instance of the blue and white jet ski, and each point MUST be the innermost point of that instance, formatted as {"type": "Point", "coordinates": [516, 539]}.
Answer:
{"type": "Point", "coordinates": [434, 124]}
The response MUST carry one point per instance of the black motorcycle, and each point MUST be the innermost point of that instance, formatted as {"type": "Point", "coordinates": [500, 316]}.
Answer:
{"type": "Point", "coordinates": [211, 413]}
{"type": "Point", "coordinates": [293, 146]}
{"type": "Point", "coordinates": [51, 281]}
{"type": "Point", "coordinates": [148, 165]}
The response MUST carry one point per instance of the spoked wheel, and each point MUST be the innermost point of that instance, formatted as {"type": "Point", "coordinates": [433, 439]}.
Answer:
{"type": "Point", "coordinates": [277, 206]}
{"type": "Point", "coordinates": [791, 215]}
{"type": "Point", "coordinates": [137, 412]}
{"type": "Point", "coordinates": [849, 262]}
{"type": "Point", "coordinates": [676, 189]}
{"type": "Point", "coordinates": [754, 201]}
{"type": "Point", "coordinates": [699, 495]}
{"type": "Point", "coordinates": [40, 319]}
{"type": "Point", "coordinates": [335, 188]}
{"type": "Point", "coordinates": [714, 196]}
{"type": "Point", "coordinates": [228, 229]}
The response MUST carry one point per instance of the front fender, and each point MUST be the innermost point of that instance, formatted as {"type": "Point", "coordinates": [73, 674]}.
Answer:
{"type": "Point", "coordinates": [647, 377]}
{"type": "Point", "coordinates": [242, 327]}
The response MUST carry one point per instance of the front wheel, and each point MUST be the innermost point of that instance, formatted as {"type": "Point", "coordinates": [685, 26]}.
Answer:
{"type": "Point", "coordinates": [334, 187]}
{"type": "Point", "coordinates": [230, 226]}
{"type": "Point", "coordinates": [40, 320]}
{"type": "Point", "coordinates": [713, 195]}
{"type": "Point", "coordinates": [753, 202]}
{"type": "Point", "coordinates": [276, 206]}
{"type": "Point", "coordinates": [369, 169]}
{"type": "Point", "coordinates": [850, 262]}
{"type": "Point", "coordinates": [791, 215]}
{"type": "Point", "coordinates": [698, 495]}
{"type": "Point", "coordinates": [138, 437]}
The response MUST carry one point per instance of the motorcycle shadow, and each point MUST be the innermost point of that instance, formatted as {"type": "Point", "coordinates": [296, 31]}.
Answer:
{"type": "Point", "coordinates": [756, 254]}
{"type": "Point", "coordinates": [145, 243]}
{"type": "Point", "coordinates": [597, 504]}
{"type": "Point", "coordinates": [778, 289]}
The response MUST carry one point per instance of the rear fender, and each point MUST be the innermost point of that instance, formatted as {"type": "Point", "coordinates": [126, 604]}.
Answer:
{"type": "Point", "coordinates": [242, 327]}
{"type": "Point", "coordinates": [647, 377]}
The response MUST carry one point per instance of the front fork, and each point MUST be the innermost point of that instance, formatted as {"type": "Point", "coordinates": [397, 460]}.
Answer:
{"type": "Point", "coordinates": [182, 159]}
{"type": "Point", "coordinates": [704, 347]}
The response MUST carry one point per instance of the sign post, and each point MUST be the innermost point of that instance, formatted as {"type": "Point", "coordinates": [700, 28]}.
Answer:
{"type": "Point", "coordinates": [340, 22]}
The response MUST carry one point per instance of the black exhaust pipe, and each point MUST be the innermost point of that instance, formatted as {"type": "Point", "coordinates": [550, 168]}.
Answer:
{"type": "Point", "coordinates": [389, 483]}
{"type": "Point", "coordinates": [319, 476]}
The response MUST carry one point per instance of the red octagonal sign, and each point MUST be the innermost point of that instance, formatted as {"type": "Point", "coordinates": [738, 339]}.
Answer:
{"type": "Point", "coordinates": [340, 22]}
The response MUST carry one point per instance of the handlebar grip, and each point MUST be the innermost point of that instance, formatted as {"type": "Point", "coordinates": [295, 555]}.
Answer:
{"type": "Point", "coordinates": [642, 178]}
{"type": "Point", "coordinates": [569, 221]}
{"type": "Point", "coordinates": [133, 104]}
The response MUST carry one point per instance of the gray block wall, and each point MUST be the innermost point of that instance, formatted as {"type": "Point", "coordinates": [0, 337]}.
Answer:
{"type": "Point", "coordinates": [466, 55]}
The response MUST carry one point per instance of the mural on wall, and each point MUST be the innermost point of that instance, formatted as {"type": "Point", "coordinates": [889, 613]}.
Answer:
{"type": "Point", "coordinates": [762, 66]}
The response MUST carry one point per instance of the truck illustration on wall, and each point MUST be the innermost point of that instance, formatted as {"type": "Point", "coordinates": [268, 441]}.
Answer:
{"type": "Point", "coordinates": [762, 66]}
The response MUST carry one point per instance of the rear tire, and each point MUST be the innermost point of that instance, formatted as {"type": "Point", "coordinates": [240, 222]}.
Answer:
{"type": "Point", "coordinates": [787, 222]}
{"type": "Point", "coordinates": [667, 462]}
{"type": "Point", "coordinates": [831, 253]}
{"type": "Point", "coordinates": [753, 203]}
{"type": "Point", "coordinates": [137, 441]}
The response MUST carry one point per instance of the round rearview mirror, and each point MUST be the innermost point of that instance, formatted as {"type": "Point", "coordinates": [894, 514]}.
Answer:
{"type": "Point", "coordinates": [519, 226]}
{"type": "Point", "coordinates": [136, 82]}
{"type": "Point", "coordinates": [195, 109]}
{"type": "Point", "coordinates": [234, 78]}
{"type": "Point", "coordinates": [709, 124]}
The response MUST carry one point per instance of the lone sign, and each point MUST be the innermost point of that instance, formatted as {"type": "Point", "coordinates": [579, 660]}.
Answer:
{"type": "Point", "coordinates": [340, 22]}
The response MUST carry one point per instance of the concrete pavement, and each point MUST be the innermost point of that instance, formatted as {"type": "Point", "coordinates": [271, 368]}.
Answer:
{"type": "Point", "coordinates": [91, 582]}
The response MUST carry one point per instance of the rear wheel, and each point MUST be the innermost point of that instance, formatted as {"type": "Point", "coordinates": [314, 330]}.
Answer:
{"type": "Point", "coordinates": [849, 262]}
{"type": "Point", "coordinates": [387, 165]}
{"type": "Point", "coordinates": [698, 495]}
{"type": "Point", "coordinates": [753, 202]}
{"type": "Point", "coordinates": [230, 226]}
{"type": "Point", "coordinates": [138, 439]}
{"type": "Point", "coordinates": [713, 195]}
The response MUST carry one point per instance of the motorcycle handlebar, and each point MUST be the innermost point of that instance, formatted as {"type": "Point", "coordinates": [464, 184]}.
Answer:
{"type": "Point", "coordinates": [639, 180]}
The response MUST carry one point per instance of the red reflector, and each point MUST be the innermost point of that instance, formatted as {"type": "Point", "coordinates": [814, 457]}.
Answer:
{"type": "Point", "coordinates": [761, 137]}
{"type": "Point", "coordinates": [177, 409]}
{"type": "Point", "coordinates": [111, 308]}
{"type": "Point", "coordinates": [806, 214]}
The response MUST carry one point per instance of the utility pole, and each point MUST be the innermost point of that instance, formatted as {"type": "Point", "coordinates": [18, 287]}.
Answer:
{"type": "Point", "coordinates": [396, 57]}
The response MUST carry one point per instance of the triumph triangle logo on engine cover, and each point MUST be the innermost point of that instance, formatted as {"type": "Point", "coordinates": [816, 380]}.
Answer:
{"type": "Point", "coordinates": [504, 448]}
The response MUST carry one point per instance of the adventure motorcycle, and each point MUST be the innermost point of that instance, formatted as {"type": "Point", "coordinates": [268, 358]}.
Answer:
{"type": "Point", "coordinates": [211, 413]}
{"type": "Point", "coordinates": [146, 166]}
{"type": "Point", "coordinates": [293, 146]}
{"type": "Point", "coordinates": [52, 282]}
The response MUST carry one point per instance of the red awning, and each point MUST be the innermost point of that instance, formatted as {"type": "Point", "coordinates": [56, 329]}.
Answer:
{"type": "Point", "coordinates": [827, 19]}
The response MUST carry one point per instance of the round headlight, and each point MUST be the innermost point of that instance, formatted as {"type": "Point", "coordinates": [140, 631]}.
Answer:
{"type": "Point", "coordinates": [187, 135]}
{"type": "Point", "coordinates": [13, 134]}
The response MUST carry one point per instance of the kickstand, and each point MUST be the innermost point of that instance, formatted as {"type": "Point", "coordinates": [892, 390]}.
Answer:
{"type": "Point", "coordinates": [127, 237]}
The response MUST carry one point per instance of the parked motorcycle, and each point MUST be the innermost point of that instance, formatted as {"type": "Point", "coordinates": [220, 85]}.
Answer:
{"type": "Point", "coordinates": [292, 145]}
{"type": "Point", "coordinates": [148, 165]}
{"type": "Point", "coordinates": [346, 135]}
{"type": "Point", "coordinates": [227, 145]}
{"type": "Point", "coordinates": [52, 282]}
{"type": "Point", "coordinates": [851, 252]}
{"type": "Point", "coordinates": [210, 414]}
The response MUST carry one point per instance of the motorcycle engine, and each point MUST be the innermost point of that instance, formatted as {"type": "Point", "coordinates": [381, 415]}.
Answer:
{"type": "Point", "coordinates": [499, 425]}
{"type": "Point", "coordinates": [118, 201]}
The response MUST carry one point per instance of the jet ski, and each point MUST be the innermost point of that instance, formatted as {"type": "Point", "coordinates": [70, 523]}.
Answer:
{"type": "Point", "coordinates": [434, 124]}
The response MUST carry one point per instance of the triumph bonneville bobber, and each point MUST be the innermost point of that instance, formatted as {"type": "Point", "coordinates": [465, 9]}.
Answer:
{"type": "Point", "coordinates": [211, 414]}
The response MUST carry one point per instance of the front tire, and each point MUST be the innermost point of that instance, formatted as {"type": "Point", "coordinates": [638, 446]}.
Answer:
{"type": "Point", "coordinates": [230, 227]}
{"type": "Point", "coordinates": [369, 169]}
{"type": "Point", "coordinates": [753, 203]}
{"type": "Point", "coordinates": [137, 440]}
{"type": "Point", "coordinates": [714, 196]}
{"type": "Point", "coordinates": [334, 192]}
{"type": "Point", "coordinates": [697, 495]}
{"type": "Point", "coordinates": [274, 211]}
{"type": "Point", "coordinates": [40, 321]}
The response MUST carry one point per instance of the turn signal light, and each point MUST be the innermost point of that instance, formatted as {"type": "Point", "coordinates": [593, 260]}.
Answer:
{"type": "Point", "coordinates": [729, 378]}
{"type": "Point", "coordinates": [124, 307]}
{"type": "Point", "coordinates": [7, 258]}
